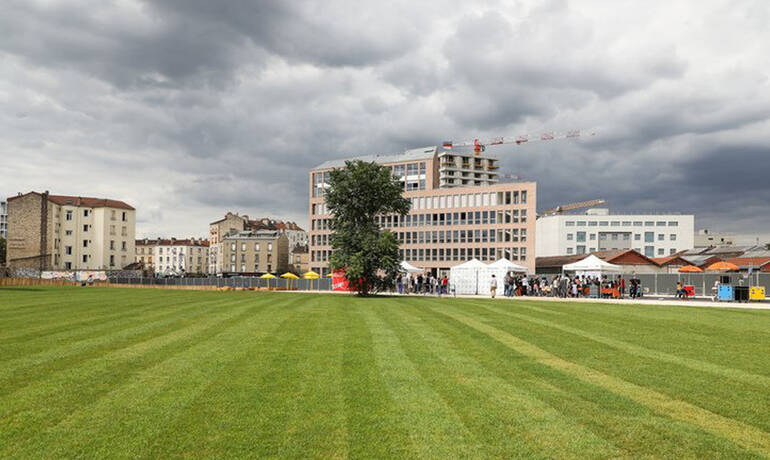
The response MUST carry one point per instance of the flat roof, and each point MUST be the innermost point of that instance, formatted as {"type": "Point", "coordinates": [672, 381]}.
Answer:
{"type": "Point", "coordinates": [422, 153]}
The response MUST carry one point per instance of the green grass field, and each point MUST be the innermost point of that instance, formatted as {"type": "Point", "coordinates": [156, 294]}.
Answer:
{"type": "Point", "coordinates": [151, 373]}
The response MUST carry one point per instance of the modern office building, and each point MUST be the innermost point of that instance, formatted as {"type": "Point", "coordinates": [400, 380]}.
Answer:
{"type": "Point", "coordinates": [57, 232]}
{"type": "Point", "coordinates": [459, 210]}
{"type": "Point", "coordinates": [598, 230]}
{"type": "Point", "coordinates": [3, 219]}
{"type": "Point", "coordinates": [173, 257]}
{"type": "Point", "coordinates": [233, 223]}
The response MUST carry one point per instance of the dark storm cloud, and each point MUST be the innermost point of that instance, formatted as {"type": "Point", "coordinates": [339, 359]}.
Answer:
{"type": "Point", "coordinates": [190, 108]}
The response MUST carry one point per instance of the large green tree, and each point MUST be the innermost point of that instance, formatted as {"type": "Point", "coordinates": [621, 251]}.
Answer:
{"type": "Point", "coordinates": [357, 194]}
{"type": "Point", "coordinates": [2, 250]}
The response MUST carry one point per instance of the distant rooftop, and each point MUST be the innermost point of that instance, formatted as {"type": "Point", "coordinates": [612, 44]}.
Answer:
{"type": "Point", "coordinates": [423, 153]}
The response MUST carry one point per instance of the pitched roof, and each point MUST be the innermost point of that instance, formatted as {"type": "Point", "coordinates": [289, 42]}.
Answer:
{"type": "Point", "coordinates": [618, 257]}
{"type": "Point", "coordinates": [82, 201]}
{"type": "Point", "coordinates": [408, 155]}
{"type": "Point", "coordinates": [675, 259]}
{"type": "Point", "coordinates": [171, 242]}
{"type": "Point", "coordinates": [744, 263]}
{"type": "Point", "coordinates": [88, 202]}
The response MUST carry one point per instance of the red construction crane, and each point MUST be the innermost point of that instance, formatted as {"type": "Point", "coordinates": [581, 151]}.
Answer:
{"type": "Point", "coordinates": [480, 145]}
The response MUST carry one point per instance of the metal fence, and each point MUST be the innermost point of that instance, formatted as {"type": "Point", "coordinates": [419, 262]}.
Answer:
{"type": "Point", "coordinates": [665, 283]}
{"type": "Point", "coordinates": [321, 284]}
{"type": "Point", "coordinates": [652, 284]}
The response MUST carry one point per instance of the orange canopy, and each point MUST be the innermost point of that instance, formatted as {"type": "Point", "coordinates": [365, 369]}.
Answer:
{"type": "Point", "coordinates": [723, 266]}
{"type": "Point", "coordinates": [690, 269]}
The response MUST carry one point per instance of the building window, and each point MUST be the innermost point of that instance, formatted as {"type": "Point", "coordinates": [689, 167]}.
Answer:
{"type": "Point", "coordinates": [661, 251]}
{"type": "Point", "coordinates": [68, 215]}
{"type": "Point", "coordinates": [570, 236]}
{"type": "Point", "coordinates": [673, 223]}
{"type": "Point", "coordinates": [112, 245]}
{"type": "Point", "coordinates": [660, 224]}
{"type": "Point", "coordinates": [581, 237]}
{"type": "Point", "coordinates": [233, 247]}
{"type": "Point", "coordinates": [649, 237]}
{"type": "Point", "coordinates": [68, 265]}
{"type": "Point", "coordinates": [569, 250]}
{"type": "Point", "coordinates": [125, 218]}
{"type": "Point", "coordinates": [672, 237]}
{"type": "Point", "coordinates": [570, 223]}
{"type": "Point", "coordinates": [85, 227]}
{"type": "Point", "coordinates": [672, 251]}
{"type": "Point", "coordinates": [581, 250]}
{"type": "Point", "coordinates": [649, 251]}
{"type": "Point", "coordinates": [68, 250]}
{"type": "Point", "coordinates": [86, 212]}
{"type": "Point", "coordinates": [269, 246]}
{"type": "Point", "coordinates": [85, 243]}
{"type": "Point", "coordinates": [85, 258]}
{"type": "Point", "coordinates": [243, 246]}
{"type": "Point", "coordinates": [112, 261]}
{"type": "Point", "coordinates": [661, 237]}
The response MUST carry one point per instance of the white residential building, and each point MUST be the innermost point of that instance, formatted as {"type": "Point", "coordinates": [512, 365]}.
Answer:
{"type": "Point", "coordinates": [653, 235]}
{"type": "Point", "coordinates": [174, 257]}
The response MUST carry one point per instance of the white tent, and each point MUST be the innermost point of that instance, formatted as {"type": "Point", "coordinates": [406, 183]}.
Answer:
{"type": "Point", "coordinates": [466, 278]}
{"type": "Point", "coordinates": [508, 266]}
{"type": "Point", "coordinates": [591, 266]}
{"type": "Point", "coordinates": [409, 268]}
{"type": "Point", "coordinates": [499, 268]}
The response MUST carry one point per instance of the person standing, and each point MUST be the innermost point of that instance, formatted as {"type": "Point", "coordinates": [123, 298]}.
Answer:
{"type": "Point", "coordinates": [493, 286]}
{"type": "Point", "coordinates": [400, 284]}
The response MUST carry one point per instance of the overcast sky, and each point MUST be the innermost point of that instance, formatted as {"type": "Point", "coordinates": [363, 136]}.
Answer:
{"type": "Point", "coordinates": [189, 108]}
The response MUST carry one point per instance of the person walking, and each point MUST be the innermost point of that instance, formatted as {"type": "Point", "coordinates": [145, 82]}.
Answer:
{"type": "Point", "coordinates": [493, 286]}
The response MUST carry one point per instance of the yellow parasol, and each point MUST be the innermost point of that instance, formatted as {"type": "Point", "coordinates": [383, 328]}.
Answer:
{"type": "Point", "coordinates": [267, 276]}
{"type": "Point", "coordinates": [311, 275]}
{"type": "Point", "coordinates": [290, 276]}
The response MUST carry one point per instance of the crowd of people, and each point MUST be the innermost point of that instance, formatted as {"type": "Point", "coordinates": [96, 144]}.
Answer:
{"type": "Point", "coordinates": [515, 285]}
{"type": "Point", "coordinates": [422, 284]}
{"type": "Point", "coordinates": [519, 285]}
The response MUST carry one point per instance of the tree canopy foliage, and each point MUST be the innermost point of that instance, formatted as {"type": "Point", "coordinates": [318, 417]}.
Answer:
{"type": "Point", "coordinates": [357, 194]}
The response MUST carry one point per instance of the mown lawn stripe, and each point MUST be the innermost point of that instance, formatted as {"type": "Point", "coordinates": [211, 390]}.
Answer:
{"type": "Point", "coordinates": [435, 430]}
{"type": "Point", "coordinates": [738, 432]}
{"type": "Point", "coordinates": [375, 429]}
{"type": "Point", "coordinates": [21, 372]}
{"type": "Point", "coordinates": [716, 369]}
{"type": "Point", "coordinates": [508, 417]}
{"type": "Point", "coordinates": [134, 414]}
{"type": "Point", "coordinates": [632, 426]}
{"type": "Point", "coordinates": [66, 390]}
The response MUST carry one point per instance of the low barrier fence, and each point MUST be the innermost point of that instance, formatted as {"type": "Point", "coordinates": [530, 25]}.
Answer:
{"type": "Point", "coordinates": [321, 284]}
{"type": "Point", "coordinates": [35, 282]}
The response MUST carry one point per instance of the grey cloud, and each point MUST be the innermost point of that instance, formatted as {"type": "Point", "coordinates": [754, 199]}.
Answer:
{"type": "Point", "coordinates": [191, 108]}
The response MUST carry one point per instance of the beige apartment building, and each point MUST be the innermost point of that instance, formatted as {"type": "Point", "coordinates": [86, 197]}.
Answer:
{"type": "Point", "coordinates": [233, 223]}
{"type": "Point", "coordinates": [58, 232]}
{"type": "Point", "coordinates": [173, 257]}
{"type": "Point", "coordinates": [299, 259]}
{"type": "Point", "coordinates": [253, 252]}
{"type": "Point", "coordinates": [459, 211]}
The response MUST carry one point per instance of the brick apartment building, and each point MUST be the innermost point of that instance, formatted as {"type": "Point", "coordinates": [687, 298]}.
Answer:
{"type": "Point", "coordinates": [459, 210]}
